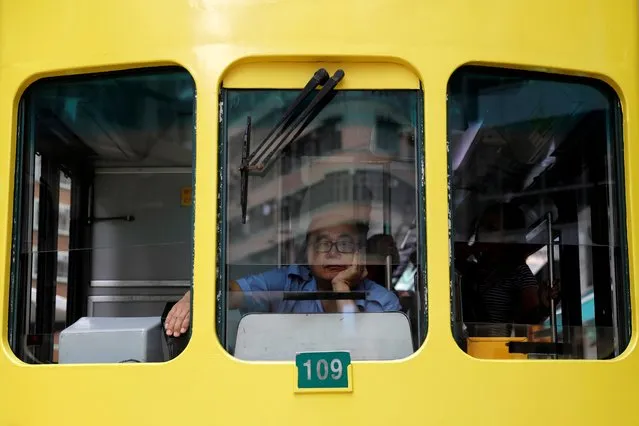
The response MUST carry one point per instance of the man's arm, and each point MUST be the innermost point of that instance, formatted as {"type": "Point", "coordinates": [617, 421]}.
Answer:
{"type": "Point", "coordinates": [179, 317]}
{"type": "Point", "coordinates": [261, 289]}
{"type": "Point", "coordinates": [348, 279]}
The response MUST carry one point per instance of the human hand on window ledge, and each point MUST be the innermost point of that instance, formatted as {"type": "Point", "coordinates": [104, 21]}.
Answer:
{"type": "Point", "coordinates": [179, 317]}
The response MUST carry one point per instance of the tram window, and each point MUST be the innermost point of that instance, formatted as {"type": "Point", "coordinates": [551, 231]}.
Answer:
{"type": "Point", "coordinates": [329, 191]}
{"type": "Point", "coordinates": [538, 216]}
{"type": "Point", "coordinates": [102, 238]}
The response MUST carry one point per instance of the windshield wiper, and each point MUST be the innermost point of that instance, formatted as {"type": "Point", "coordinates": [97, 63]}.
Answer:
{"type": "Point", "coordinates": [319, 78]}
{"type": "Point", "coordinates": [287, 129]}
{"type": "Point", "coordinates": [303, 119]}
{"type": "Point", "coordinates": [244, 168]}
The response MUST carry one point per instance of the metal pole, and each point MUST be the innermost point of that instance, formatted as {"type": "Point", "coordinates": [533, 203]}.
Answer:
{"type": "Point", "coordinates": [551, 268]}
{"type": "Point", "coordinates": [388, 270]}
{"type": "Point", "coordinates": [386, 194]}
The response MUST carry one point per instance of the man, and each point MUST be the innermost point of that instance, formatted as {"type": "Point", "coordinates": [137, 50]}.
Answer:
{"type": "Point", "coordinates": [334, 263]}
{"type": "Point", "coordinates": [500, 288]}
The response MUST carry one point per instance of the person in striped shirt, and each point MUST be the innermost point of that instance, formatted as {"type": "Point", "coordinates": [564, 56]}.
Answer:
{"type": "Point", "coordinates": [498, 287]}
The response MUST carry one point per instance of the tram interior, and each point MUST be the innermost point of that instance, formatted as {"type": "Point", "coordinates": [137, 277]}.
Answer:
{"type": "Point", "coordinates": [357, 154]}
{"type": "Point", "coordinates": [106, 208]}
{"type": "Point", "coordinates": [104, 203]}
{"type": "Point", "coordinates": [549, 149]}
{"type": "Point", "coordinates": [106, 232]}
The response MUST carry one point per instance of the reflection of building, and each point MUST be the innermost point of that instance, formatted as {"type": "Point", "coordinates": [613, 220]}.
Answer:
{"type": "Point", "coordinates": [352, 143]}
{"type": "Point", "coordinates": [62, 270]}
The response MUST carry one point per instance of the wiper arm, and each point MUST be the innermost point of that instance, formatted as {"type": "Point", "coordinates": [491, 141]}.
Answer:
{"type": "Point", "coordinates": [244, 170]}
{"type": "Point", "coordinates": [260, 158]}
{"type": "Point", "coordinates": [320, 77]}
{"type": "Point", "coordinates": [289, 124]}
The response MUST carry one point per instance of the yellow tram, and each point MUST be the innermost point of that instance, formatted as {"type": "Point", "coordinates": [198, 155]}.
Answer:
{"type": "Point", "coordinates": [277, 212]}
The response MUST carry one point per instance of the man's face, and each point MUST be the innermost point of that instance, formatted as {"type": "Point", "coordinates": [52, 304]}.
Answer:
{"type": "Point", "coordinates": [330, 250]}
{"type": "Point", "coordinates": [491, 238]}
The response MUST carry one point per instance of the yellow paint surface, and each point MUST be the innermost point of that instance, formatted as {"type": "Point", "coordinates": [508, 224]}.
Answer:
{"type": "Point", "coordinates": [422, 40]}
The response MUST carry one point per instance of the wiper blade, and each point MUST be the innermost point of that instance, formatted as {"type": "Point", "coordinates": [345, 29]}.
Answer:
{"type": "Point", "coordinates": [246, 148]}
{"type": "Point", "coordinates": [289, 124]}
{"type": "Point", "coordinates": [319, 78]}
{"type": "Point", "coordinates": [260, 162]}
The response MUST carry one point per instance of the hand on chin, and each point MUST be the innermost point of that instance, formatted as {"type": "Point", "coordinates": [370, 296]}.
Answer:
{"type": "Point", "coordinates": [349, 277]}
{"type": "Point", "coordinates": [331, 271]}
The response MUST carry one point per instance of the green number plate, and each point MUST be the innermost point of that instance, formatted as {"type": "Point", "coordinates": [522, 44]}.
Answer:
{"type": "Point", "coordinates": [327, 371]}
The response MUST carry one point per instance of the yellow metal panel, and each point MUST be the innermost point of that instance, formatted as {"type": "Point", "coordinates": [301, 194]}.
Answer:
{"type": "Point", "coordinates": [280, 75]}
{"type": "Point", "coordinates": [205, 385]}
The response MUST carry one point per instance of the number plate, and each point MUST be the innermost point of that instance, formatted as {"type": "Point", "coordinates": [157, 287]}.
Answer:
{"type": "Point", "coordinates": [323, 371]}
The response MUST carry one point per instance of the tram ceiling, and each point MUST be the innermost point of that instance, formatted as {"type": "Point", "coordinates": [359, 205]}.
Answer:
{"type": "Point", "coordinates": [150, 126]}
{"type": "Point", "coordinates": [494, 159]}
{"type": "Point", "coordinates": [493, 172]}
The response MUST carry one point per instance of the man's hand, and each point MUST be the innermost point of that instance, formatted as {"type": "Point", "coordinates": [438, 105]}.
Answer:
{"type": "Point", "coordinates": [179, 317]}
{"type": "Point", "coordinates": [351, 277]}
{"type": "Point", "coordinates": [546, 292]}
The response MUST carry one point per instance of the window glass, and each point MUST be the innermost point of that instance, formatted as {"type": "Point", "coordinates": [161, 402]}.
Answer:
{"type": "Point", "coordinates": [537, 208]}
{"type": "Point", "coordinates": [340, 195]}
{"type": "Point", "coordinates": [103, 237]}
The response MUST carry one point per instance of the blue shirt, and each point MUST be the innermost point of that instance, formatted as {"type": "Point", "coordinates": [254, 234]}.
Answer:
{"type": "Point", "coordinates": [263, 292]}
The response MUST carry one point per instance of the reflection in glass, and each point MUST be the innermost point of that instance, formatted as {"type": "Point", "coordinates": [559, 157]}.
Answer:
{"type": "Point", "coordinates": [536, 187]}
{"type": "Point", "coordinates": [350, 177]}
{"type": "Point", "coordinates": [101, 236]}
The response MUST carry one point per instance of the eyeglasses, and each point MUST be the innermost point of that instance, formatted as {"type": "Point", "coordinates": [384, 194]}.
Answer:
{"type": "Point", "coordinates": [342, 246]}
